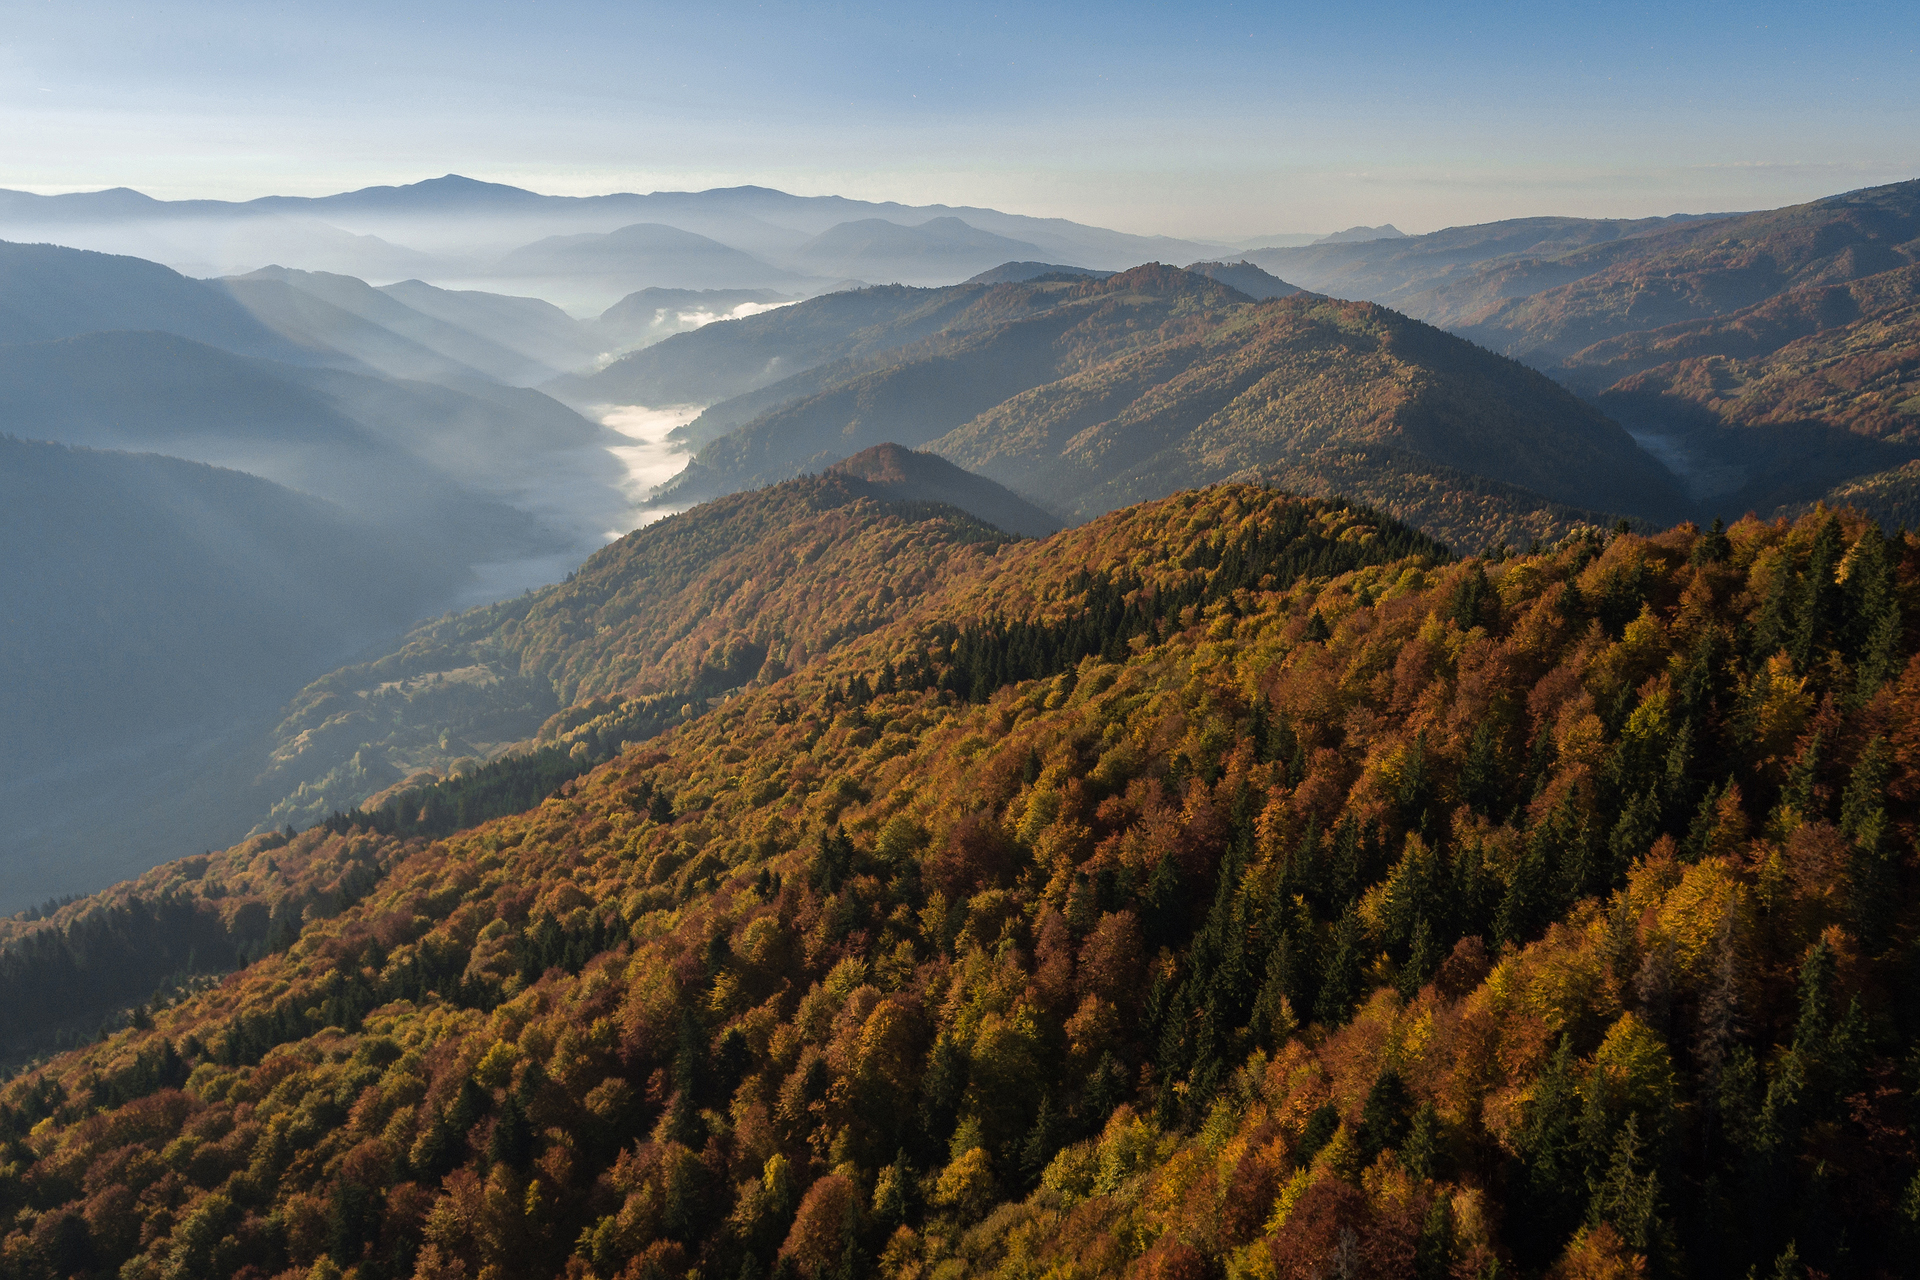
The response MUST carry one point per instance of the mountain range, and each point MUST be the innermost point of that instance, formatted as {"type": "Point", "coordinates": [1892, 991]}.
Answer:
{"type": "Point", "coordinates": [427, 414]}
{"type": "Point", "coordinates": [582, 252]}
{"type": "Point", "coordinates": [1117, 770]}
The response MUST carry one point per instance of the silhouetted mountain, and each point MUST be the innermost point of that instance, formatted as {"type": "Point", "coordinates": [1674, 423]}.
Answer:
{"type": "Point", "coordinates": [645, 317]}
{"type": "Point", "coordinates": [537, 330]}
{"type": "Point", "coordinates": [938, 251]}
{"type": "Point", "coordinates": [51, 292]}
{"type": "Point", "coordinates": [1021, 272]}
{"type": "Point", "coordinates": [1245, 277]}
{"type": "Point", "coordinates": [1363, 235]}
{"type": "Point", "coordinates": [151, 602]}
{"type": "Point", "coordinates": [643, 255]}
{"type": "Point", "coordinates": [468, 224]}
{"type": "Point", "coordinates": [898, 474]}
{"type": "Point", "coordinates": [329, 333]}
{"type": "Point", "coordinates": [463, 354]}
{"type": "Point", "coordinates": [381, 449]}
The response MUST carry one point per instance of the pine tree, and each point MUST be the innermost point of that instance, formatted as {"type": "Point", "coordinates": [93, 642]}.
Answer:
{"type": "Point", "coordinates": [1482, 784]}
{"type": "Point", "coordinates": [1713, 546]}
{"type": "Point", "coordinates": [1817, 610]}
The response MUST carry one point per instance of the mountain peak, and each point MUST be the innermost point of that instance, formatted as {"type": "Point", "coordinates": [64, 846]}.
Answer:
{"type": "Point", "coordinates": [900, 474]}
{"type": "Point", "coordinates": [1357, 235]}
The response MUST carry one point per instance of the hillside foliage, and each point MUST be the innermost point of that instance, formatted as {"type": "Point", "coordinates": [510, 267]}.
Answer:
{"type": "Point", "coordinates": [1233, 886]}
{"type": "Point", "coordinates": [709, 600]}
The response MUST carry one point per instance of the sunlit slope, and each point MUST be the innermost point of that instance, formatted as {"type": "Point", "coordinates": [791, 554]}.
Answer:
{"type": "Point", "coordinates": [970, 366]}
{"type": "Point", "coordinates": [1229, 883]}
{"type": "Point", "coordinates": [733, 592]}
{"type": "Point", "coordinates": [1293, 376]}
{"type": "Point", "coordinates": [1708, 269]}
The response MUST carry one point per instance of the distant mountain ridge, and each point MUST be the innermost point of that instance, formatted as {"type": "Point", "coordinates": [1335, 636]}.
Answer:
{"type": "Point", "coordinates": [464, 226]}
{"type": "Point", "coordinates": [1100, 393]}
{"type": "Point", "coordinates": [932, 252]}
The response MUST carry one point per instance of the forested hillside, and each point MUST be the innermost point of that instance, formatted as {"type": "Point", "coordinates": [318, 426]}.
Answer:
{"type": "Point", "coordinates": [1234, 885]}
{"type": "Point", "coordinates": [1090, 395]}
{"type": "Point", "coordinates": [743, 588]}
{"type": "Point", "coordinates": [1704, 269]}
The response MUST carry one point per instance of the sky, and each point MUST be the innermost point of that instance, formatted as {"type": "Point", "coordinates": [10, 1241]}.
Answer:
{"type": "Point", "coordinates": [1207, 120]}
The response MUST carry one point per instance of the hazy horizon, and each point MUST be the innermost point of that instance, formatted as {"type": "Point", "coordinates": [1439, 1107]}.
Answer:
{"type": "Point", "coordinates": [1219, 123]}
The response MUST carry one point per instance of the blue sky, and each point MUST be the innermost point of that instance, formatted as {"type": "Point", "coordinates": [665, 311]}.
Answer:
{"type": "Point", "coordinates": [1223, 120]}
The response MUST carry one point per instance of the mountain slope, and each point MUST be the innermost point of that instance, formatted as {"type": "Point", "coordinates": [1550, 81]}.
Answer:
{"type": "Point", "coordinates": [48, 292]}
{"type": "Point", "coordinates": [1015, 338]}
{"type": "Point", "coordinates": [896, 474]}
{"type": "Point", "coordinates": [151, 602]}
{"type": "Point", "coordinates": [938, 251]}
{"type": "Point", "coordinates": [1230, 884]}
{"type": "Point", "coordinates": [1158, 379]}
{"type": "Point", "coordinates": [1707, 269]}
{"type": "Point", "coordinates": [298, 427]}
{"type": "Point", "coordinates": [1245, 277]}
{"type": "Point", "coordinates": [1296, 375]}
{"type": "Point", "coordinates": [1747, 333]}
{"type": "Point", "coordinates": [1860, 373]}
{"type": "Point", "coordinates": [682, 610]}
{"type": "Point", "coordinates": [1490, 260]}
